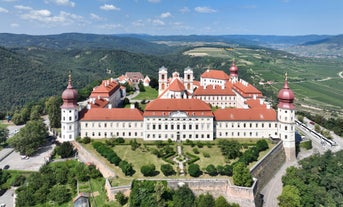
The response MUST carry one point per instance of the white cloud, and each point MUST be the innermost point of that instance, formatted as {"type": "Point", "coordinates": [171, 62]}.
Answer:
{"type": "Point", "coordinates": [184, 10]}
{"type": "Point", "coordinates": [154, 1]}
{"type": "Point", "coordinates": [9, 0]}
{"type": "Point", "coordinates": [165, 15]}
{"type": "Point", "coordinates": [21, 7]}
{"type": "Point", "coordinates": [62, 2]}
{"type": "Point", "coordinates": [204, 9]}
{"type": "Point", "coordinates": [95, 17]}
{"type": "Point", "coordinates": [108, 7]}
{"type": "Point", "coordinates": [3, 10]}
{"type": "Point", "coordinates": [110, 26]}
{"type": "Point", "coordinates": [138, 23]}
{"type": "Point", "coordinates": [14, 25]}
{"type": "Point", "coordinates": [45, 16]}
{"type": "Point", "coordinates": [157, 22]}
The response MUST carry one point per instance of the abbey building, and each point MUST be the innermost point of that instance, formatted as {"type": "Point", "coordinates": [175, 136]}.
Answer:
{"type": "Point", "coordinates": [217, 106]}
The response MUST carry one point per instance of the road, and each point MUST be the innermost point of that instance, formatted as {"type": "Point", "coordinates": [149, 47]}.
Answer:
{"type": "Point", "coordinates": [274, 187]}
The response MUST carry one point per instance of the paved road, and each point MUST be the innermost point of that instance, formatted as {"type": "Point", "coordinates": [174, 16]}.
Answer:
{"type": "Point", "coordinates": [274, 188]}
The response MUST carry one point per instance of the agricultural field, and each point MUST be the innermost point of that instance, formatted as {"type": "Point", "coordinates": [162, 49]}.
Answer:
{"type": "Point", "coordinates": [315, 81]}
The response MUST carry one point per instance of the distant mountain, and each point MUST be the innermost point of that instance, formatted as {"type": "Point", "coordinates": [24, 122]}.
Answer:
{"type": "Point", "coordinates": [84, 41]}
{"type": "Point", "coordinates": [329, 47]}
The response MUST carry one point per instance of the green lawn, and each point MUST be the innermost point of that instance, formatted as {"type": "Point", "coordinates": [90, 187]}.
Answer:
{"type": "Point", "coordinates": [149, 94]}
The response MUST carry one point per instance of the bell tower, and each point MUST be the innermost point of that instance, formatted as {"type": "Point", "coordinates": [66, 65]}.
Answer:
{"type": "Point", "coordinates": [286, 120]}
{"type": "Point", "coordinates": [233, 72]}
{"type": "Point", "coordinates": [69, 113]}
{"type": "Point", "coordinates": [162, 79]}
{"type": "Point", "coordinates": [188, 79]}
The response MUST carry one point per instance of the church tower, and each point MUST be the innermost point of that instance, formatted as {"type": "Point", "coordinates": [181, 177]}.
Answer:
{"type": "Point", "coordinates": [286, 120]}
{"type": "Point", "coordinates": [188, 79]}
{"type": "Point", "coordinates": [69, 113]}
{"type": "Point", "coordinates": [162, 79]}
{"type": "Point", "coordinates": [233, 72]}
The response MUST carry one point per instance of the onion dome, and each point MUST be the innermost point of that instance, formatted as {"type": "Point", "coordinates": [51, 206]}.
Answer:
{"type": "Point", "coordinates": [233, 69]}
{"type": "Point", "coordinates": [69, 96]}
{"type": "Point", "coordinates": [286, 96]}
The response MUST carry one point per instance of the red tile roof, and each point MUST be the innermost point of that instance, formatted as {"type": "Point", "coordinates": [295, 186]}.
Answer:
{"type": "Point", "coordinates": [114, 114]}
{"type": "Point", "coordinates": [105, 89]}
{"type": "Point", "coordinates": [246, 89]}
{"type": "Point", "coordinates": [99, 103]}
{"type": "Point", "coordinates": [239, 114]}
{"type": "Point", "coordinates": [176, 85]}
{"type": "Point", "coordinates": [193, 107]}
{"type": "Point", "coordinates": [215, 74]}
{"type": "Point", "coordinates": [216, 91]}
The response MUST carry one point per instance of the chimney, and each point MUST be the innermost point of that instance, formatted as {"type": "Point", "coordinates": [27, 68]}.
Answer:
{"type": "Point", "coordinates": [99, 97]}
{"type": "Point", "coordinates": [132, 106]}
{"type": "Point", "coordinates": [214, 86]}
{"type": "Point", "coordinates": [89, 106]}
{"type": "Point", "coordinates": [261, 101]}
{"type": "Point", "coordinates": [109, 106]}
{"type": "Point", "coordinates": [268, 106]}
{"type": "Point", "coordinates": [254, 96]}
{"type": "Point", "coordinates": [223, 87]}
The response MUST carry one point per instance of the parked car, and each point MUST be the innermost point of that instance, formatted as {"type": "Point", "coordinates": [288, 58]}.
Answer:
{"type": "Point", "coordinates": [6, 167]}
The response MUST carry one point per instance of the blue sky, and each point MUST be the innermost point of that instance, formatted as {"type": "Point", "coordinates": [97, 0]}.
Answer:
{"type": "Point", "coordinates": [172, 17]}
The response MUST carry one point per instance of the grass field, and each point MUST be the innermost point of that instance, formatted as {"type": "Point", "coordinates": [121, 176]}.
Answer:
{"type": "Point", "coordinates": [315, 81]}
{"type": "Point", "coordinates": [149, 94]}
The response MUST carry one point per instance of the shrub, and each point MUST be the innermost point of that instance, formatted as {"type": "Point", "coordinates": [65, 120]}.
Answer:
{"type": "Point", "coordinates": [120, 140]}
{"type": "Point", "coordinates": [65, 150]}
{"type": "Point", "coordinates": [86, 140]}
{"type": "Point", "coordinates": [211, 170]}
{"type": "Point", "coordinates": [127, 168]}
{"type": "Point", "coordinates": [262, 145]}
{"type": "Point", "coordinates": [206, 154]}
{"type": "Point", "coordinates": [148, 170]}
{"type": "Point", "coordinates": [241, 175]}
{"type": "Point", "coordinates": [194, 170]}
{"type": "Point", "coordinates": [121, 198]}
{"type": "Point", "coordinates": [18, 181]}
{"type": "Point", "coordinates": [195, 150]}
{"type": "Point", "coordinates": [167, 169]}
{"type": "Point", "coordinates": [200, 144]}
{"type": "Point", "coordinates": [306, 144]}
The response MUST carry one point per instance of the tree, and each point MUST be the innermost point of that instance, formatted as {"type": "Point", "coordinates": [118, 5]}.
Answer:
{"type": "Point", "coordinates": [127, 168]}
{"type": "Point", "coordinates": [230, 149]}
{"type": "Point", "coordinates": [183, 197]}
{"type": "Point", "coordinates": [148, 170]}
{"type": "Point", "coordinates": [52, 106]}
{"type": "Point", "coordinates": [211, 170]}
{"type": "Point", "coordinates": [194, 170]}
{"type": "Point", "coordinates": [153, 83]}
{"type": "Point", "coordinates": [65, 150]}
{"type": "Point", "coordinates": [121, 198]}
{"type": "Point", "coordinates": [221, 202]}
{"type": "Point", "coordinates": [206, 200]}
{"type": "Point", "coordinates": [29, 138]}
{"type": "Point", "coordinates": [36, 112]}
{"type": "Point", "coordinates": [141, 86]}
{"type": "Point", "coordinates": [262, 145]}
{"type": "Point", "coordinates": [167, 169]}
{"type": "Point", "coordinates": [3, 133]}
{"type": "Point", "coordinates": [59, 194]}
{"type": "Point", "coordinates": [290, 197]}
{"type": "Point", "coordinates": [241, 175]}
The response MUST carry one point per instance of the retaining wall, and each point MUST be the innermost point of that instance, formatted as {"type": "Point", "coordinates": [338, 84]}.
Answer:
{"type": "Point", "coordinates": [86, 157]}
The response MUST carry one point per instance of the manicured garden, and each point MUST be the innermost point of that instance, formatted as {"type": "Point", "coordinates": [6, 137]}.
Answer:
{"type": "Point", "coordinates": [158, 159]}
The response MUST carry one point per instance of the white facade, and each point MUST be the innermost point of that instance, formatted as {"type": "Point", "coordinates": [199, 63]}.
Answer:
{"type": "Point", "coordinates": [69, 123]}
{"type": "Point", "coordinates": [111, 129]}
{"type": "Point", "coordinates": [178, 126]}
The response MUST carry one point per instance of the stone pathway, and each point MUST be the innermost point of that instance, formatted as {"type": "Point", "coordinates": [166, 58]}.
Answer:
{"type": "Point", "coordinates": [180, 163]}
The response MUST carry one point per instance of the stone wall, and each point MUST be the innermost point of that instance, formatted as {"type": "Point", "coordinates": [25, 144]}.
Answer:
{"type": "Point", "coordinates": [265, 169]}
{"type": "Point", "coordinates": [86, 157]}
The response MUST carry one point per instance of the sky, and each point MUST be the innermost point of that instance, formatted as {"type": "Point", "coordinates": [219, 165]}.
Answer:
{"type": "Point", "coordinates": [172, 17]}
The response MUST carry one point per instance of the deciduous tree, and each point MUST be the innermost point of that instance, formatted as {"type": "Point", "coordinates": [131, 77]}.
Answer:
{"type": "Point", "coordinates": [241, 175]}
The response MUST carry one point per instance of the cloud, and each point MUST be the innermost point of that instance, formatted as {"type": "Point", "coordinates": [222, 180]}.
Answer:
{"type": "Point", "coordinates": [21, 7]}
{"type": "Point", "coordinates": [138, 23]}
{"type": "Point", "coordinates": [184, 10]}
{"type": "Point", "coordinates": [45, 16]}
{"type": "Point", "coordinates": [109, 7]}
{"type": "Point", "coordinates": [62, 2]}
{"type": "Point", "coordinates": [110, 26]}
{"type": "Point", "coordinates": [9, 0]}
{"type": "Point", "coordinates": [3, 10]}
{"type": "Point", "coordinates": [165, 15]}
{"type": "Point", "coordinates": [14, 25]}
{"type": "Point", "coordinates": [204, 9]}
{"type": "Point", "coordinates": [154, 1]}
{"type": "Point", "coordinates": [95, 17]}
{"type": "Point", "coordinates": [157, 22]}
